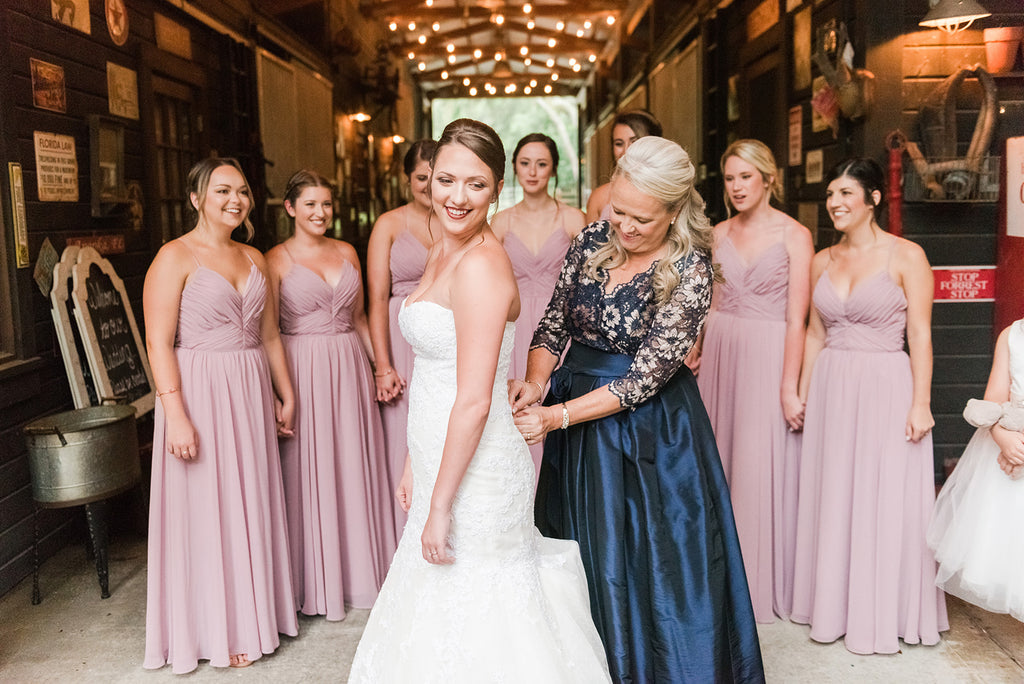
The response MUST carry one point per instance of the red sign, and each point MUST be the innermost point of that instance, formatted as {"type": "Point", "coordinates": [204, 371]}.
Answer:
{"type": "Point", "coordinates": [104, 244]}
{"type": "Point", "coordinates": [965, 283]}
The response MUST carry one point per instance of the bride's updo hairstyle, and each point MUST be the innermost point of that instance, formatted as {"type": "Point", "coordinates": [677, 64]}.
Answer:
{"type": "Point", "coordinates": [481, 140]}
{"type": "Point", "coordinates": [662, 169]}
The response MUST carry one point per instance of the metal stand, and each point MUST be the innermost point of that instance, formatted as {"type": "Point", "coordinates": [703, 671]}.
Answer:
{"type": "Point", "coordinates": [96, 517]}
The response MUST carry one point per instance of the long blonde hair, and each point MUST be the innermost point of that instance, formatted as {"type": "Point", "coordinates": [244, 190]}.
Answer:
{"type": "Point", "coordinates": [662, 169]}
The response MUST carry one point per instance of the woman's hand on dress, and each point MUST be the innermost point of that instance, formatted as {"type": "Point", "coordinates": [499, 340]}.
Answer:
{"type": "Point", "coordinates": [533, 423]}
{"type": "Point", "coordinates": [692, 360]}
{"type": "Point", "coordinates": [919, 423]}
{"type": "Point", "coordinates": [284, 414]}
{"type": "Point", "coordinates": [182, 440]}
{"type": "Point", "coordinates": [522, 394]}
{"type": "Point", "coordinates": [435, 538]}
{"type": "Point", "coordinates": [404, 491]}
{"type": "Point", "coordinates": [793, 411]}
{"type": "Point", "coordinates": [389, 386]}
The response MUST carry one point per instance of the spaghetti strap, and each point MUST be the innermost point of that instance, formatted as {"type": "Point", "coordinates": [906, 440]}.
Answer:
{"type": "Point", "coordinates": [182, 240]}
{"type": "Point", "coordinates": [251, 262]}
{"type": "Point", "coordinates": [286, 251]}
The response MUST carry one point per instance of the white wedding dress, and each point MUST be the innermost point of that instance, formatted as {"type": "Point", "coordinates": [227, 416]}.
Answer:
{"type": "Point", "coordinates": [513, 607]}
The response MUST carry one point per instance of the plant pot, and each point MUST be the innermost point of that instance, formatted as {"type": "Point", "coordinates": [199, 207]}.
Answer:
{"type": "Point", "coordinates": [1001, 46]}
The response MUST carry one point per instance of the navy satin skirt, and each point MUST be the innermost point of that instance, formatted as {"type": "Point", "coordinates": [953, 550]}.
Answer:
{"type": "Point", "coordinates": [644, 494]}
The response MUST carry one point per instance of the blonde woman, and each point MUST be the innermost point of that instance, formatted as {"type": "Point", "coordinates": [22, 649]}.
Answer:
{"type": "Point", "coordinates": [630, 467]}
{"type": "Point", "coordinates": [750, 367]}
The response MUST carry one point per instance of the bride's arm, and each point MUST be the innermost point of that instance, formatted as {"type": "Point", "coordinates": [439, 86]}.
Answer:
{"type": "Point", "coordinates": [482, 291]}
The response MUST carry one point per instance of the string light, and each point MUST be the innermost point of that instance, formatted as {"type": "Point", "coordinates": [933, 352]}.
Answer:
{"type": "Point", "coordinates": [527, 8]}
{"type": "Point", "coordinates": [444, 75]}
{"type": "Point", "coordinates": [422, 66]}
{"type": "Point", "coordinates": [587, 24]}
{"type": "Point", "coordinates": [412, 55]}
{"type": "Point", "coordinates": [397, 139]}
{"type": "Point", "coordinates": [524, 51]}
{"type": "Point", "coordinates": [436, 26]}
{"type": "Point", "coordinates": [472, 92]}
{"type": "Point", "coordinates": [547, 89]}
{"type": "Point", "coordinates": [530, 24]}
{"type": "Point", "coordinates": [533, 83]}
{"type": "Point", "coordinates": [579, 33]}
{"type": "Point", "coordinates": [499, 19]}
{"type": "Point", "coordinates": [592, 58]}
{"type": "Point", "coordinates": [465, 81]}
{"type": "Point", "coordinates": [550, 63]}
{"type": "Point", "coordinates": [497, 56]}
{"type": "Point", "coordinates": [576, 67]}
{"type": "Point", "coordinates": [451, 59]}
{"type": "Point", "coordinates": [450, 47]}
{"type": "Point", "coordinates": [554, 76]}
{"type": "Point", "coordinates": [552, 42]}
{"type": "Point", "coordinates": [560, 26]}
{"type": "Point", "coordinates": [412, 25]}
{"type": "Point", "coordinates": [527, 90]}
{"type": "Point", "coordinates": [611, 20]}
{"type": "Point", "coordinates": [422, 39]}
{"type": "Point", "coordinates": [477, 53]}
{"type": "Point", "coordinates": [393, 26]}
{"type": "Point", "coordinates": [572, 61]}
{"type": "Point", "coordinates": [527, 61]}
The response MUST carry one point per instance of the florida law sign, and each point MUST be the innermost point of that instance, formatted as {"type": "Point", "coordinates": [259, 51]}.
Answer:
{"type": "Point", "coordinates": [965, 283]}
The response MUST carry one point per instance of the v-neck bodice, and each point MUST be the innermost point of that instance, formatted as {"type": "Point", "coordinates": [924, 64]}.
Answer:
{"type": "Point", "coordinates": [214, 316]}
{"type": "Point", "coordinates": [756, 290]}
{"type": "Point", "coordinates": [872, 318]}
{"type": "Point", "coordinates": [310, 306]}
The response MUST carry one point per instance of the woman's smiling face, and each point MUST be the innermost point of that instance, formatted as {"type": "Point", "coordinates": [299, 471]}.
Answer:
{"type": "Point", "coordinates": [462, 188]}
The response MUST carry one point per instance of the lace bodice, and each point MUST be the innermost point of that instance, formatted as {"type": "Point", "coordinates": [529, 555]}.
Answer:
{"type": "Point", "coordinates": [627, 319]}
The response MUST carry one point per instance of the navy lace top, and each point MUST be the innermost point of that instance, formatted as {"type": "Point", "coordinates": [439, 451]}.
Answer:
{"type": "Point", "coordinates": [627, 319]}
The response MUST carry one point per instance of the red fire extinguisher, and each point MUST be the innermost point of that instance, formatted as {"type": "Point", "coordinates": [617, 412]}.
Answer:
{"type": "Point", "coordinates": [895, 143]}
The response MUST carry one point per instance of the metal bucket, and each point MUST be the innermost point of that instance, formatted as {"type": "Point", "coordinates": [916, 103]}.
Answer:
{"type": "Point", "coordinates": [81, 456]}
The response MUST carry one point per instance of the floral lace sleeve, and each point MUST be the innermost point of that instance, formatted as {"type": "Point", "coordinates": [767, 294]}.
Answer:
{"type": "Point", "coordinates": [552, 333]}
{"type": "Point", "coordinates": [673, 332]}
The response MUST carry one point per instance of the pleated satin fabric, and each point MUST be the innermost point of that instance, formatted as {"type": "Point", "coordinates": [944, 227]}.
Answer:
{"type": "Point", "coordinates": [644, 494]}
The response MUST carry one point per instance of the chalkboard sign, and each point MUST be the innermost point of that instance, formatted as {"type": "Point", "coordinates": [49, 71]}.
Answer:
{"type": "Point", "coordinates": [83, 390]}
{"type": "Point", "coordinates": [111, 337]}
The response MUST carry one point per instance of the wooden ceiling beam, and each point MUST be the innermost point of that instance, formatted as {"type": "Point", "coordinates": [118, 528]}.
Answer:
{"type": "Point", "coordinates": [405, 11]}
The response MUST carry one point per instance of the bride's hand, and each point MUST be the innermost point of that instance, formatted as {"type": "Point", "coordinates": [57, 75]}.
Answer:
{"type": "Point", "coordinates": [404, 491]}
{"type": "Point", "coordinates": [435, 538]}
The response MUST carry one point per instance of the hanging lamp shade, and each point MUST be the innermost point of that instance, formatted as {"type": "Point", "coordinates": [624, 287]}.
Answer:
{"type": "Point", "coordinates": [953, 16]}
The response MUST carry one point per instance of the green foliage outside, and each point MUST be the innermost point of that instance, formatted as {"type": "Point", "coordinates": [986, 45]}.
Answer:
{"type": "Point", "coordinates": [515, 117]}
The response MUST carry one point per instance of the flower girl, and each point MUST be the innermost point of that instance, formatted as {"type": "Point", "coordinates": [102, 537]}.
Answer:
{"type": "Point", "coordinates": [975, 529]}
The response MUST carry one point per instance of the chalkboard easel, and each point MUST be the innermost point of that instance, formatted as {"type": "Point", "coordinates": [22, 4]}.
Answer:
{"type": "Point", "coordinates": [113, 346]}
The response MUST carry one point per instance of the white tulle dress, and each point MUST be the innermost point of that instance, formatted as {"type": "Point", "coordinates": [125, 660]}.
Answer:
{"type": "Point", "coordinates": [976, 529]}
{"type": "Point", "coordinates": [514, 605]}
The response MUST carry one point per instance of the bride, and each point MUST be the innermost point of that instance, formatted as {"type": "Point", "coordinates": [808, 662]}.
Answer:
{"type": "Point", "coordinates": [474, 593]}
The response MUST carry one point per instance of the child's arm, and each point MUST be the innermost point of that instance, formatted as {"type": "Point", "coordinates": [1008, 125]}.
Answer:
{"type": "Point", "coordinates": [1011, 443]}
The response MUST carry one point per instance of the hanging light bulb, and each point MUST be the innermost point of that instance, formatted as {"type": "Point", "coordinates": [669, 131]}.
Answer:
{"type": "Point", "coordinates": [451, 59]}
{"type": "Point", "coordinates": [465, 81]}
{"type": "Point", "coordinates": [527, 61]}
{"type": "Point", "coordinates": [530, 24]}
{"type": "Point", "coordinates": [552, 42]}
{"type": "Point", "coordinates": [422, 39]}
{"type": "Point", "coordinates": [587, 24]}
{"type": "Point", "coordinates": [611, 19]}
{"type": "Point", "coordinates": [412, 25]}
{"type": "Point", "coordinates": [450, 47]}
{"type": "Point", "coordinates": [533, 83]}
{"type": "Point", "coordinates": [592, 58]}
{"type": "Point", "coordinates": [547, 89]}
{"type": "Point", "coordinates": [444, 75]}
{"type": "Point", "coordinates": [393, 26]}
{"type": "Point", "coordinates": [560, 26]}
{"type": "Point", "coordinates": [422, 66]}
{"type": "Point", "coordinates": [472, 92]}
{"type": "Point", "coordinates": [412, 55]}
{"type": "Point", "coordinates": [477, 53]}
{"type": "Point", "coordinates": [436, 26]}
{"type": "Point", "coordinates": [527, 8]}
{"type": "Point", "coordinates": [572, 61]}
{"type": "Point", "coordinates": [524, 51]}
{"type": "Point", "coordinates": [499, 19]}
{"type": "Point", "coordinates": [576, 67]}
{"type": "Point", "coordinates": [579, 33]}
{"type": "Point", "coordinates": [497, 56]}
{"type": "Point", "coordinates": [554, 77]}
{"type": "Point", "coordinates": [430, 3]}
{"type": "Point", "coordinates": [527, 90]}
{"type": "Point", "coordinates": [550, 63]}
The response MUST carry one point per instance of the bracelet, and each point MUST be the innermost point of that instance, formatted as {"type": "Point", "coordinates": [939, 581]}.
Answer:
{"type": "Point", "coordinates": [565, 416]}
{"type": "Point", "coordinates": [534, 382]}
{"type": "Point", "coordinates": [172, 390]}
{"type": "Point", "coordinates": [389, 371]}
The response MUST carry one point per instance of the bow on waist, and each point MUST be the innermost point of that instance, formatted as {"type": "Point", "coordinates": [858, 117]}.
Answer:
{"type": "Point", "coordinates": [585, 360]}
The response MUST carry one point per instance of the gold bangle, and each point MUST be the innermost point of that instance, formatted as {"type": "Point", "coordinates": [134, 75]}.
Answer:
{"type": "Point", "coordinates": [565, 416]}
{"type": "Point", "coordinates": [171, 390]}
{"type": "Point", "coordinates": [539, 386]}
{"type": "Point", "coordinates": [389, 371]}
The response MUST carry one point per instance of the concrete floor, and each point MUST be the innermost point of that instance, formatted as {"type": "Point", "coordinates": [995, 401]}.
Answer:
{"type": "Point", "coordinates": [73, 635]}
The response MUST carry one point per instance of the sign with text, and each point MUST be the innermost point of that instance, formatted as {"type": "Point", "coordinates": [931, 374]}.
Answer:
{"type": "Point", "coordinates": [113, 346]}
{"type": "Point", "coordinates": [56, 167]}
{"type": "Point", "coordinates": [965, 283]}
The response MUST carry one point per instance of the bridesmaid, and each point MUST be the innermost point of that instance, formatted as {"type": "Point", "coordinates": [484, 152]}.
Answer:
{"type": "Point", "coordinates": [867, 485]}
{"type": "Point", "coordinates": [752, 348]}
{"type": "Point", "coordinates": [395, 258]}
{"type": "Point", "coordinates": [536, 233]}
{"type": "Point", "coordinates": [337, 492]}
{"type": "Point", "coordinates": [627, 128]}
{"type": "Point", "coordinates": [218, 581]}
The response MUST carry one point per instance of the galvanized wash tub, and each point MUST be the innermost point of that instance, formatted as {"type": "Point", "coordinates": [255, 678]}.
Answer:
{"type": "Point", "coordinates": [84, 455]}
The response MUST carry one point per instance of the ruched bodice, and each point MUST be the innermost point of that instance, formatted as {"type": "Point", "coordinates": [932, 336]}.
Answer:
{"type": "Point", "coordinates": [537, 274]}
{"type": "Point", "coordinates": [309, 306]}
{"type": "Point", "coordinates": [214, 316]}
{"type": "Point", "coordinates": [757, 290]}
{"type": "Point", "coordinates": [408, 259]}
{"type": "Point", "coordinates": [872, 318]}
